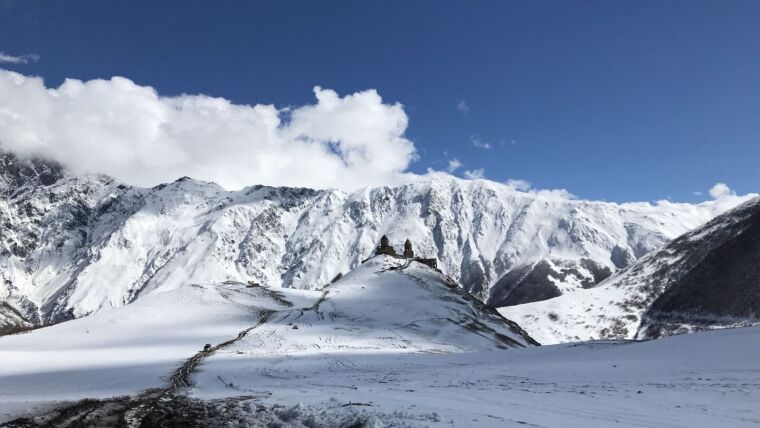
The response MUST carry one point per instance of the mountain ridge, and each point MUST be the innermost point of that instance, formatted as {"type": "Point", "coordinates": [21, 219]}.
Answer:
{"type": "Point", "coordinates": [74, 245]}
{"type": "Point", "coordinates": [706, 278]}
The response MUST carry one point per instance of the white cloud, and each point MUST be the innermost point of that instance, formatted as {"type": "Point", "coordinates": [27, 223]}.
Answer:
{"type": "Point", "coordinates": [454, 165]}
{"type": "Point", "coordinates": [475, 174]}
{"type": "Point", "coordinates": [721, 190]}
{"type": "Point", "coordinates": [521, 185]}
{"type": "Point", "coordinates": [477, 142]}
{"type": "Point", "coordinates": [463, 107]}
{"type": "Point", "coordinates": [697, 193]}
{"type": "Point", "coordinates": [131, 132]}
{"type": "Point", "coordinates": [23, 59]}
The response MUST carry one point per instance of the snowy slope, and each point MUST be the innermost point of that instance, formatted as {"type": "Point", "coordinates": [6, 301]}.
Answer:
{"type": "Point", "coordinates": [385, 305]}
{"type": "Point", "coordinates": [126, 350]}
{"type": "Point", "coordinates": [701, 380]}
{"type": "Point", "coordinates": [707, 278]}
{"type": "Point", "coordinates": [71, 246]}
{"type": "Point", "coordinates": [406, 350]}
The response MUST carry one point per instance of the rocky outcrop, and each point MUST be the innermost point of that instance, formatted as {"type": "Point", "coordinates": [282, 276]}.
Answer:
{"type": "Point", "coordinates": [544, 280]}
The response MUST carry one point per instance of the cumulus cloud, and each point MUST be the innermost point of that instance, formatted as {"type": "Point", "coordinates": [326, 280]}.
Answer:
{"type": "Point", "coordinates": [721, 190]}
{"type": "Point", "coordinates": [22, 59]}
{"type": "Point", "coordinates": [131, 132]}
{"type": "Point", "coordinates": [480, 144]}
{"type": "Point", "coordinates": [454, 165]}
{"type": "Point", "coordinates": [475, 174]}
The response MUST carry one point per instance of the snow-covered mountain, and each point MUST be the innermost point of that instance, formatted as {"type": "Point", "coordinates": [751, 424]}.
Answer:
{"type": "Point", "coordinates": [707, 278]}
{"type": "Point", "coordinates": [73, 245]}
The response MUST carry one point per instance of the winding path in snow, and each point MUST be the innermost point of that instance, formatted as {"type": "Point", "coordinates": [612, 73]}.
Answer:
{"type": "Point", "coordinates": [150, 405]}
{"type": "Point", "coordinates": [180, 378]}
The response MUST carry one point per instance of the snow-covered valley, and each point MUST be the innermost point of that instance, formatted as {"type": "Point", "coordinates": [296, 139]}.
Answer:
{"type": "Point", "coordinates": [389, 344]}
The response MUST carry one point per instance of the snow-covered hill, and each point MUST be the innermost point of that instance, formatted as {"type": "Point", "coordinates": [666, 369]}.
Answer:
{"type": "Point", "coordinates": [707, 278]}
{"type": "Point", "coordinates": [385, 306]}
{"type": "Point", "coordinates": [73, 245]}
{"type": "Point", "coordinates": [382, 346]}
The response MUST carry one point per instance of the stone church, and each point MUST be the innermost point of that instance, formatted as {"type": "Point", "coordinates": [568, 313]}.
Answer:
{"type": "Point", "coordinates": [386, 248]}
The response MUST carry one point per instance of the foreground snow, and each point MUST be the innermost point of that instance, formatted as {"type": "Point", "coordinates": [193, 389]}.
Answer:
{"type": "Point", "coordinates": [126, 350]}
{"type": "Point", "coordinates": [382, 346]}
{"type": "Point", "coordinates": [704, 379]}
{"type": "Point", "coordinates": [351, 362]}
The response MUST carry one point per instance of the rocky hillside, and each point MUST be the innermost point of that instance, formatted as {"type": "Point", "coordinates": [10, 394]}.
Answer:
{"type": "Point", "coordinates": [72, 245]}
{"type": "Point", "coordinates": [707, 278]}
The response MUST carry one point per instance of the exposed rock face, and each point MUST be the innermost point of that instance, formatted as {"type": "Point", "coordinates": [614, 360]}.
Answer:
{"type": "Point", "coordinates": [621, 257]}
{"type": "Point", "coordinates": [544, 280]}
{"type": "Point", "coordinates": [707, 278]}
{"type": "Point", "coordinates": [11, 319]}
{"type": "Point", "coordinates": [72, 245]}
{"type": "Point", "coordinates": [721, 289]}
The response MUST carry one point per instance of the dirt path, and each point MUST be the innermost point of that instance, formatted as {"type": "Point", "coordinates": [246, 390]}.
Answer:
{"type": "Point", "coordinates": [180, 378]}
{"type": "Point", "coordinates": [160, 407]}
{"type": "Point", "coordinates": [167, 407]}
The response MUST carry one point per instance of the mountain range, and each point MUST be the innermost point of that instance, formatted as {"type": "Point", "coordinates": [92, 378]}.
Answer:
{"type": "Point", "coordinates": [72, 245]}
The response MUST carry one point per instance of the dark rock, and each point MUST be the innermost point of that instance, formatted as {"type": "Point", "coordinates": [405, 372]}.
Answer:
{"type": "Point", "coordinates": [723, 287]}
{"type": "Point", "coordinates": [621, 257]}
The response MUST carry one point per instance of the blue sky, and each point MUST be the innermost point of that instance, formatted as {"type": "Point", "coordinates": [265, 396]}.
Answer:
{"type": "Point", "coordinates": [610, 100]}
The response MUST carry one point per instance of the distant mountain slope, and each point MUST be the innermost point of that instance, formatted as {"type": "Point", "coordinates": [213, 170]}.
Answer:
{"type": "Point", "coordinates": [545, 279]}
{"type": "Point", "coordinates": [707, 278]}
{"type": "Point", "coordinates": [10, 319]}
{"type": "Point", "coordinates": [723, 288]}
{"type": "Point", "coordinates": [73, 245]}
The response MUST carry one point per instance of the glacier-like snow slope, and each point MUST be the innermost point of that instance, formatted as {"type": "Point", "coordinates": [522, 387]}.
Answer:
{"type": "Point", "coordinates": [619, 307]}
{"type": "Point", "coordinates": [73, 245]}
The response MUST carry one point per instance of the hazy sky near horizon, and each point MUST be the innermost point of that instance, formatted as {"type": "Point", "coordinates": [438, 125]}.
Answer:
{"type": "Point", "coordinates": [622, 101]}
